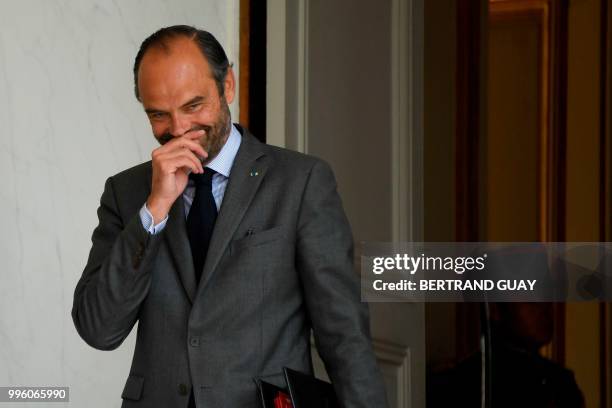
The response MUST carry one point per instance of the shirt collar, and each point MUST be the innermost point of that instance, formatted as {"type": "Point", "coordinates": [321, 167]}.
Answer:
{"type": "Point", "coordinates": [223, 162]}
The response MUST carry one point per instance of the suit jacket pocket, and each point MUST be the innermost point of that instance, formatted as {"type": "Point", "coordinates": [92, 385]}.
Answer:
{"type": "Point", "coordinates": [133, 388]}
{"type": "Point", "coordinates": [258, 238]}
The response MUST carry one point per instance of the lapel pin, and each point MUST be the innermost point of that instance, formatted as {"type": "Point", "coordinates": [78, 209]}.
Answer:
{"type": "Point", "coordinates": [254, 173]}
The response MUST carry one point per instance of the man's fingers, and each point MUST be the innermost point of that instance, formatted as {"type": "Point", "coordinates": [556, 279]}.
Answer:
{"type": "Point", "coordinates": [195, 147]}
{"type": "Point", "coordinates": [185, 162]}
{"type": "Point", "coordinates": [185, 142]}
{"type": "Point", "coordinates": [183, 145]}
{"type": "Point", "coordinates": [194, 134]}
{"type": "Point", "coordinates": [166, 160]}
{"type": "Point", "coordinates": [187, 154]}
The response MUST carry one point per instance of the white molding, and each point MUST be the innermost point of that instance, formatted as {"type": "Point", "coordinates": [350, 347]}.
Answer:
{"type": "Point", "coordinates": [276, 73]}
{"type": "Point", "coordinates": [232, 49]}
{"type": "Point", "coordinates": [406, 120]}
{"type": "Point", "coordinates": [398, 357]}
{"type": "Point", "coordinates": [407, 26]}
{"type": "Point", "coordinates": [287, 83]}
{"type": "Point", "coordinates": [302, 76]}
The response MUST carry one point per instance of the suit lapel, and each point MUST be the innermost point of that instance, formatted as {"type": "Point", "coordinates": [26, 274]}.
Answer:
{"type": "Point", "coordinates": [178, 241]}
{"type": "Point", "coordinates": [245, 178]}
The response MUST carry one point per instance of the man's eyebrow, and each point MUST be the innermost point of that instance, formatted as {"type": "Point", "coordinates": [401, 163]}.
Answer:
{"type": "Point", "coordinates": [151, 110]}
{"type": "Point", "coordinates": [193, 100]}
{"type": "Point", "coordinates": [196, 99]}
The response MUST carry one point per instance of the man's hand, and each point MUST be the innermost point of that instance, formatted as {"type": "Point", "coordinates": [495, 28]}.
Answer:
{"type": "Point", "coordinates": [172, 164]}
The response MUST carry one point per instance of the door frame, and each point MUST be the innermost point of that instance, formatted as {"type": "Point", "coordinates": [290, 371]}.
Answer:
{"type": "Point", "coordinates": [287, 117]}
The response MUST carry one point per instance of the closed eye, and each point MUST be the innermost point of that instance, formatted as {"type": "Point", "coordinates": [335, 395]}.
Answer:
{"type": "Point", "coordinates": [156, 115]}
{"type": "Point", "coordinates": [193, 107]}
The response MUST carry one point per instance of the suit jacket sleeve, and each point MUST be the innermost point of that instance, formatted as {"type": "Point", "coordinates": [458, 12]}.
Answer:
{"type": "Point", "coordinates": [116, 278]}
{"type": "Point", "coordinates": [332, 291]}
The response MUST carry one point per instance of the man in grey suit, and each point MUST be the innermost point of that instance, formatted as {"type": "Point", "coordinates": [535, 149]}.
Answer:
{"type": "Point", "coordinates": [217, 309]}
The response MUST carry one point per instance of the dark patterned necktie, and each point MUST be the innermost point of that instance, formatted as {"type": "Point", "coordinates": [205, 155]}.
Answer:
{"type": "Point", "coordinates": [201, 219]}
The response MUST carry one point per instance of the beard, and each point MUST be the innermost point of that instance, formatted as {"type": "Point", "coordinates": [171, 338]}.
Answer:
{"type": "Point", "coordinates": [214, 137]}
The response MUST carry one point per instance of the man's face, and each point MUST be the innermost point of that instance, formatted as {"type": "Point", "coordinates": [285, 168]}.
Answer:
{"type": "Point", "coordinates": [179, 94]}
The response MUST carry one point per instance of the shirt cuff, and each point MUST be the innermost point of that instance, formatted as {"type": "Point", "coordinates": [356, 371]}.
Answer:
{"type": "Point", "coordinates": [147, 221]}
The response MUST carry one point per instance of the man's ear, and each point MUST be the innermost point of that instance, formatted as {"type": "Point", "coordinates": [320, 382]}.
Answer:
{"type": "Point", "coordinates": [229, 86]}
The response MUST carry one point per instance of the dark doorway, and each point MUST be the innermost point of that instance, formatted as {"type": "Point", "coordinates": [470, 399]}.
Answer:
{"type": "Point", "coordinates": [253, 37]}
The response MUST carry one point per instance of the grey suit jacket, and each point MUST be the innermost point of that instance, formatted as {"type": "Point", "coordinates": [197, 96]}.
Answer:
{"type": "Point", "coordinates": [279, 264]}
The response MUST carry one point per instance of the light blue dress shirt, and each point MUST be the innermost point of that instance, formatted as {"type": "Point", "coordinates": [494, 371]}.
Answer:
{"type": "Point", "coordinates": [222, 164]}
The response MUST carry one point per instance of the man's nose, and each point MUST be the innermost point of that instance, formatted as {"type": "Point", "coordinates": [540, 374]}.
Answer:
{"type": "Point", "coordinates": [179, 125]}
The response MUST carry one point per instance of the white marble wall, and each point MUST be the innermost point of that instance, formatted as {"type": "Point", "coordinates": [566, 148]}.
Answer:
{"type": "Point", "coordinates": [68, 120]}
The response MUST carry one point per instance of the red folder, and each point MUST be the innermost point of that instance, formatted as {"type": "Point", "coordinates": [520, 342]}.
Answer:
{"type": "Point", "coordinates": [282, 400]}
